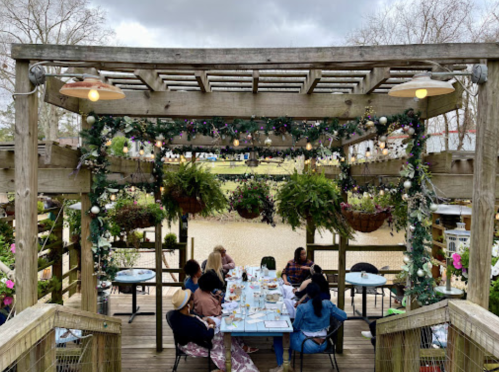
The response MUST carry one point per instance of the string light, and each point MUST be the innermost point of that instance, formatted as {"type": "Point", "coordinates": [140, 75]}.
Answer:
{"type": "Point", "coordinates": [309, 146]}
{"type": "Point", "coordinates": [368, 153]}
{"type": "Point", "coordinates": [497, 215]}
{"type": "Point", "coordinates": [159, 141]}
{"type": "Point", "coordinates": [112, 197]}
{"type": "Point", "coordinates": [109, 142]}
{"type": "Point", "coordinates": [385, 152]}
{"type": "Point", "coordinates": [381, 192]}
{"type": "Point", "coordinates": [161, 189]}
{"type": "Point", "coordinates": [152, 154]}
{"type": "Point", "coordinates": [236, 142]}
{"type": "Point", "coordinates": [132, 189]}
{"type": "Point", "coordinates": [382, 145]}
{"type": "Point", "coordinates": [125, 147]}
{"type": "Point", "coordinates": [353, 158]}
{"type": "Point", "coordinates": [141, 151]}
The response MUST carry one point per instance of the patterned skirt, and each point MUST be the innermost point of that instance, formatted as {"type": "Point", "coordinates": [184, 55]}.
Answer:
{"type": "Point", "coordinates": [241, 362]}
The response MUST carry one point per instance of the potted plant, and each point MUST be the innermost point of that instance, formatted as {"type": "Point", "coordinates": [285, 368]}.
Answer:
{"type": "Point", "coordinates": [170, 241]}
{"type": "Point", "coordinates": [312, 198]}
{"type": "Point", "coordinates": [363, 214]}
{"type": "Point", "coordinates": [251, 198]}
{"type": "Point", "coordinates": [130, 215]}
{"type": "Point", "coordinates": [192, 189]}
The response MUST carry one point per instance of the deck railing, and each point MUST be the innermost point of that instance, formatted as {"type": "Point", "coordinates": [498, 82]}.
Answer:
{"type": "Point", "coordinates": [56, 338]}
{"type": "Point", "coordinates": [453, 336]}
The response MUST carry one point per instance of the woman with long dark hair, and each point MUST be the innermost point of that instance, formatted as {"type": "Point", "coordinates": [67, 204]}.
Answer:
{"type": "Point", "coordinates": [312, 320]}
{"type": "Point", "coordinates": [298, 269]}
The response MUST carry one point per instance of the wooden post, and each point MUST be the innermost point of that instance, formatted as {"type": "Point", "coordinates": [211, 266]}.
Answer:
{"type": "Point", "coordinates": [310, 233]}
{"type": "Point", "coordinates": [342, 262]}
{"type": "Point", "coordinates": [88, 279]}
{"type": "Point", "coordinates": [45, 354]}
{"type": "Point", "coordinates": [57, 267]}
{"type": "Point", "coordinates": [182, 259]}
{"type": "Point", "coordinates": [412, 345]}
{"type": "Point", "coordinates": [192, 248]}
{"type": "Point", "coordinates": [484, 182]}
{"type": "Point", "coordinates": [26, 179]}
{"type": "Point", "coordinates": [158, 244]}
{"type": "Point", "coordinates": [73, 262]}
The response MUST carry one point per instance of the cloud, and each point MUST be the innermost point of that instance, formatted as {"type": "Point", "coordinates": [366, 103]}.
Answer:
{"type": "Point", "coordinates": [232, 23]}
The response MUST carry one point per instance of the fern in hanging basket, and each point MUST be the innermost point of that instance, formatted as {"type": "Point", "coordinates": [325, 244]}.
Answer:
{"type": "Point", "coordinates": [252, 199]}
{"type": "Point", "coordinates": [192, 189]}
{"type": "Point", "coordinates": [364, 215]}
{"type": "Point", "coordinates": [314, 198]}
{"type": "Point", "coordinates": [129, 215]}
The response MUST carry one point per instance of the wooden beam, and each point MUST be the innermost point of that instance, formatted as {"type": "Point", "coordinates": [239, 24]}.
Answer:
{"type": "Point", "coordinates": [88, 279]}
{"type": "Point", "coordinates": [256, 78]}
{"type": "Point", "coordinates": [203, 82]}
{"type": "Point", "coordinates": [54, 181]}
{"type": "Point", "coordinates": [439, 105]}
{"type": "Point", "coordinates": [223, 59]}
{"type": "Point", "coordinates": [245, 105]}
{"type": "Point", "coordinates": [314, 76]}
{"type": "Point", "coordinates": [484, 188]}
{"type": "Point", "coordinates": [26, 188]}
{"type": "Point", "coordinates": [52, 95]}
{"type": "Point", "coordinates": [376, 77]}
{"type": "Point", "coordinates": [151, 79]}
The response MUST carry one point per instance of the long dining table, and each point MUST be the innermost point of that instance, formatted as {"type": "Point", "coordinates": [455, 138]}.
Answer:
{"type": "Point", "coordinates": [253, 316]}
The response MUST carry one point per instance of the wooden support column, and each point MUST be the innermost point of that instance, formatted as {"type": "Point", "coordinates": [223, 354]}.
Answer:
{"type": "Point", "coordinates": [484, 182]}
{"type": "Point", "coordinates": [88, 279]}
{"type": "Point", "coordinates": [158, 234]}
{"type": "Point", "coordinates": [73, 262]}
{"type": "Point", "coordinates": [26, 176]}
{"type": "Point", "coordinates": [310, 235]}
{"type": "Point", "coordinates": [342, 262]}
{"type": "Point", "coordinates": [57, 268]}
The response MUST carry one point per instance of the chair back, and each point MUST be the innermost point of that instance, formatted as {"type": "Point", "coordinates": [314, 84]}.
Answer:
{"type": "Point", "coordinates": [364, 266]}
{"type": "Point", "coordinates": [269, 261]}
{"type": "Point", "coordinates": [332, 333]}
{"type": "Point", "coordinates": [168, 320]}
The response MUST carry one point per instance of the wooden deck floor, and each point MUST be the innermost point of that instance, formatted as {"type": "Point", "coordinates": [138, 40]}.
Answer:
{"type": "Point", "coordinates": [139, 347]}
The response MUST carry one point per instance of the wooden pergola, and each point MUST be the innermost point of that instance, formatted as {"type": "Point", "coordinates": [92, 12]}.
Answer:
{"type": "Point", "coordinates": [303, 83]}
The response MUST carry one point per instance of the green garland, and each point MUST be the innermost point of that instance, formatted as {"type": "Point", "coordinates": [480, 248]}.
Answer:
{"type": "Point", "coordinates": [321, 133]}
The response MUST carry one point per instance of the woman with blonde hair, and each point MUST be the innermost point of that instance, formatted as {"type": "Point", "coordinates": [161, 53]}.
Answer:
{"type": "Point", "coordinates": [215, 263]}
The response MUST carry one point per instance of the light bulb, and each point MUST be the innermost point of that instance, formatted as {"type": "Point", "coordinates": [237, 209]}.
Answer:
{"type": "Point", "coordinates": [421, 93]}
{"type": "Point", "coordinates": [353, 159]}
{"type": "Point", "coordinates": [342, 159]}
{"type": "Point", "coordinates": [309, 146]}
{"type": "Point", "coordinates": [497, 216]}
{"type": "Point", "coordinates": [382, 145]}
{"type": "Point", "coordinates": [170, 159]}
{"type": "Point", "coordinates": [93, 95]}
{"type": "Point", "coordinates": [109, 142]}
{"type": "Point", "coordinates": [152, 155]}
{"type": "Point", "coordinates": [236, 142]}
{"type": "Point", "coordinates": [125, 147]}
{"type": "Point", "coordinates": [161, 189]}
{"type": "Point", "coordinates": [132, 189]}
{"type": "Point", "coordinates": [159, 143]}
{"type": "Point", "coordinates": [368, 153]}
{"type": "Point", "coordinates": [385, 151]}
{"type": "Point", "coordinates": [113, 197]}
{"type": "Point", "coordinates": [382, 192]}
{"type": "Point", "coordinates": [141, 151]}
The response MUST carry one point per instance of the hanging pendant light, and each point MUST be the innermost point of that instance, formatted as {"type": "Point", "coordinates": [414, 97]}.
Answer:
{"type": "Point", "coordinates": [93, 89]}
{"type": "Point", "coordinates": [421, 86]}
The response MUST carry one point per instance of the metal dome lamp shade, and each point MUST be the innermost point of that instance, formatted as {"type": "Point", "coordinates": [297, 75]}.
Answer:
{"type": "Point", "coordinates": [93, 89]}
{"type": "Point", "coordinates": [421, 86]}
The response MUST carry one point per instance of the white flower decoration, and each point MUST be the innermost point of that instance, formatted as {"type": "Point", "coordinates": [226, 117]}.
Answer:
{"type": "Point", "coordinates": [495, 250]}
{"type": "Point", "coordinates": [494, 270]}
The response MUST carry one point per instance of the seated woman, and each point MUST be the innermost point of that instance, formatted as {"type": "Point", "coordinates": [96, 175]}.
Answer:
{"type": "Point", "coordinates": [208, 298]}
{"type": "Point", "coordinates": [298, 269]}
{"type": "Point", "coordinates": [292, 304]}
{"type": "Point", "coordinates": [314, 269]}
{"type": "Point", "coordinates": [193, 272]}
{"type": "Point", "coordinates": [312, 320]}
{"type": "Point", "coordinates": [214, 264]}
{"type": "Point", "coordinates": [196, 334]}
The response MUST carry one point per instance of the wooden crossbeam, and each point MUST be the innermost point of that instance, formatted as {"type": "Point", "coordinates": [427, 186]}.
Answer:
{"type": "Point", "coordinates": [237, 58]}
{"type": "Point", "coordinates": [52, 95]}
{"type": "Point", "coordinates": [372, 81]}
{"type": "Point", "coordinates": [314, 76]}
{"type": "Point", "coordinates": [245, 105]}
{"type": "Point", "coordinates": [151, 79]}
{"type": "Point", "coordinates": [51, 180]}
{"type": "Point", "coordinates": [256, 78]}
{"type": "Point", "coordinates": [203, 82]}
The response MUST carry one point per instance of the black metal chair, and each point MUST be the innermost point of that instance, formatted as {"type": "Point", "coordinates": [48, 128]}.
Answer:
{"type": "Point", "coordinates": [269, 261]}
{"type": "Point", "coordinates": [178, 352]}
{"type": "Point", "coordinates": [371, 269]}
{"type": "Point", "coordinates": [330, 350]}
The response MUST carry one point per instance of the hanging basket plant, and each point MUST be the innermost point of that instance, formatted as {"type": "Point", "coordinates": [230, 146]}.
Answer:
{"type": "Point", "coordinates": [364, 215]}
{"type": "Point", "coordinates": [130, 215]}
{"type": "Point", "coordinates": [252, 199]}
{"type": "Point", "coordinates": [192, 189]}
{"type": "Point", "coordinates": [314, 199]}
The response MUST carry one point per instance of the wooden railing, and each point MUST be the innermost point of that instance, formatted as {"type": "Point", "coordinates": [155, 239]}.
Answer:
{"type": "Point", "coordinates": [28, 342]}
{"type": "Point", "coordinates": [407, 342]}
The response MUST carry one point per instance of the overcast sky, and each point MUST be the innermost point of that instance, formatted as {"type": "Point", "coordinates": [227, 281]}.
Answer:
{"type": "Point", "coordinates": [235, 23]}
